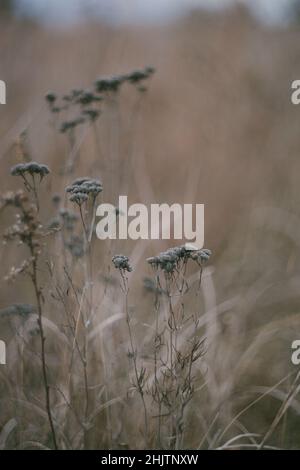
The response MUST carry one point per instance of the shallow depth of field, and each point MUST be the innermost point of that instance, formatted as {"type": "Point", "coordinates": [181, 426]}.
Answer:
{"type": "Point", "coordinates": [192, 355]}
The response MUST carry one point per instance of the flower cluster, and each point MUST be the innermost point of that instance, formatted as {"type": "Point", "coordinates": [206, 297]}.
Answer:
{"type": "Point", "coordinates": [70, 125]}
{"type": "Point", "coordinates": [169, 260]}
{"type": "Point", "coordinates": [113, 84]}
{"type": "Point", "coordinates": [22, 310]}
{"type": "Point", "coordinates": [12, 198]}
{"type": "Point", "coordinates": [121, 262]}
{"type": "Point", "coordinates": [31, 168]}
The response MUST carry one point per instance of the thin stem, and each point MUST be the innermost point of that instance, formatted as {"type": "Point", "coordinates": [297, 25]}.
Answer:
{"type": "Point", "coordinates": [133, 354]}
{"type": "Point", "coordinates": [43, 339]}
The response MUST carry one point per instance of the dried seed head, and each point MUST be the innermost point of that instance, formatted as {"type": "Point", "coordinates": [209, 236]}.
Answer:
{"type": "Point", "coordinates": [76, 246]}
{"type": "Point", "coordinates": [69, 219]}
{"type": "Point", "coordinates": [169, 260]}
{"type": "Point", "coordinates": [87, 186]}
{"type": "Point", "coordinates": [79, 198]}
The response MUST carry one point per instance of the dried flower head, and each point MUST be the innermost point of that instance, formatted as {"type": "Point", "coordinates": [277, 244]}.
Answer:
{"type": "Point", "coordinates": [87, 97]}
{"type": "Point", "coordinates": [22, 310]}
{"type": "Point", "coordinates": [121, 262]}
{"type": "Point", "coordinates": [56, 199]}
{"type": "Point", "coordinates": [79, 198]}
{"type": "Point", "coordinates": [71, 125]}
{"type": "Point", "coordinates": [169, 260]}
{"type": "Point", "coordinates": [31, 168]}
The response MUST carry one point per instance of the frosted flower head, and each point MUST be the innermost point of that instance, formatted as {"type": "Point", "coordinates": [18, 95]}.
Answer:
{"type": "Point", "coordinates": [50, 97]}
{"type": "Point", "coordinates": [87, 186]}
{"type": "Point", "coordinates": [79, 198]}
{"type": "Point", "coordinates": [121, 262]}
{"type": "Point", "coordinates": [31, 168]}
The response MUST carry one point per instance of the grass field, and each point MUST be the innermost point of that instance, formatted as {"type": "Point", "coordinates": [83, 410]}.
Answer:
{"type": "Point", "coordinates": [99, 357]}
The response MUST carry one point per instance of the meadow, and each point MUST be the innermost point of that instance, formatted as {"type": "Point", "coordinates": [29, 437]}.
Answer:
{"type": "Point", "coordinates": [135, 344]}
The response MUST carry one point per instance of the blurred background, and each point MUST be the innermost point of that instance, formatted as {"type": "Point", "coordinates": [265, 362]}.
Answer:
{"type": "Point", "coordinates": [216, 126]}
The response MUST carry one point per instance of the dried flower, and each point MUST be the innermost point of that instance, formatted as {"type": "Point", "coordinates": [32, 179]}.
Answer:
{"type": "Point", "coordinates": [69, 219]}
{"type": "Point", "coordinates": [121, 262]}
{"type": "Point", "coordinates": [22, 310]}
{"type": "Point", "coordinates": [79, 198]}
{"type": "Point", "coordinates": [109, 84]}
{"type": "Point", "coordinates": [76, 246]}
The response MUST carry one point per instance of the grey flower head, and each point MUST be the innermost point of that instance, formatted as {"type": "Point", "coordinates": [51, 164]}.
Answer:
{"type": "Point", "coordinates": [91, 114]}
{"type": "Point", "coordinates": [22, 310]}
{"type": "Point", "coordinates": [87, 97]}
{"type": "Point", "coordinates": [31, 168]}
{"type": "Point", "coordinates": [79, 198]}
{"type": "Point", "coordinates": [121, 262]}
{"type": "Point", "coordinates": [70, 125]}
{"type": "Point", "coordinates": [86, 186]}
{"type": "Point", "coordinates": [169, 260]}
